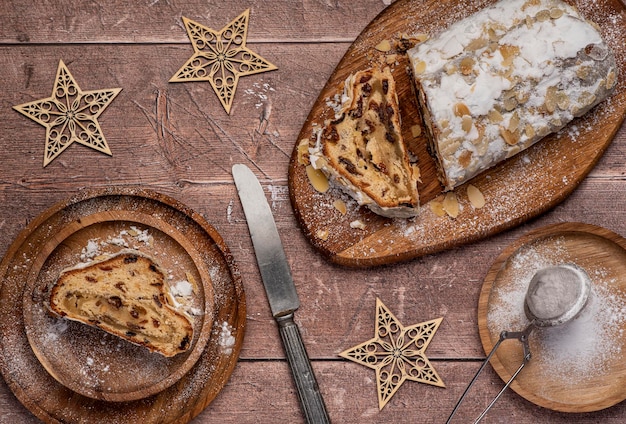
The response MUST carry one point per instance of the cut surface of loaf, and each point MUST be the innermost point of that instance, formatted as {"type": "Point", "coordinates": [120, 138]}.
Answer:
{"type": "Point", "coordinates": [363, 151]}
{"type": "Point", "coordinates": [497, 82]}
{"type": "Point", "coordinates": [124, 295]}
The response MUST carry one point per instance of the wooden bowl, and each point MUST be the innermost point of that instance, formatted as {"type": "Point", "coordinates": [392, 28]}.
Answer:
{"type": "Point", "coordinates": [578, 366]}
{"type": "Point", "coordinates": [65, 371]}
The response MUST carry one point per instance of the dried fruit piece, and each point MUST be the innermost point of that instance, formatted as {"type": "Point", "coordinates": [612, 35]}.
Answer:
{"type": "Point", "coordinates": [475, 196]}
{"type": "Point", "coordinates": [318, 179]}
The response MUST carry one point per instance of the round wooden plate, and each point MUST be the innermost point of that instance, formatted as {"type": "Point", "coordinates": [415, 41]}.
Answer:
{"type": "Point", "coordinates": [578, 366]}
{"type": "Point", "coordinates": [88, 360]}
{"type": "Point", "coordinates": [520, 188]}
{"type": "Point", "coordinates": [64, 371]}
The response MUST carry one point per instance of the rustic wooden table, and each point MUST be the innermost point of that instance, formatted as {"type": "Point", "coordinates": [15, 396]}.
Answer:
{"type": "Point", "coordinates": [177, 139]}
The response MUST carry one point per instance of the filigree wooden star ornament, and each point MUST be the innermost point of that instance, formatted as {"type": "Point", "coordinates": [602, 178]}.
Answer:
{"type": "Point", "coordinates": [70, 115]}
{"type": "Point", "coordinates": [221, 57]}
{"type": "Point", "coordinates": [396, 353]}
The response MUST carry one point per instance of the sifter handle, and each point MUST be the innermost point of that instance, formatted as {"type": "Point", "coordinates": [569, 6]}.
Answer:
{"type": "Point", "coordinates": [522, 336]}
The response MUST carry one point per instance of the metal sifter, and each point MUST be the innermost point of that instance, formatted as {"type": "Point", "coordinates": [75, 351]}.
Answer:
{"type": "Point", "coordinates": [555, 296]}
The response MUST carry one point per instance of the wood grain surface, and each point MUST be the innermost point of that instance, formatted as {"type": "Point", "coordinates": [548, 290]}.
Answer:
{"type": "Point", "coordinates": [515, 191]}
{"type": "Point", "coordinates": [176, 139]}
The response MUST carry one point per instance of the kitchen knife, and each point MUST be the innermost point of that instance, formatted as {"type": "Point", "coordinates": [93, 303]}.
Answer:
{"type": "Point", "coordinates": [280, 289]}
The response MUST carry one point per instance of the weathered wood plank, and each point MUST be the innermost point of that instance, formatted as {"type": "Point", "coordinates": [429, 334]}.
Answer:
{"type": "Point", "coordinates": [349, 391]}
{"type": "Point", "coordinates": [159, 21]}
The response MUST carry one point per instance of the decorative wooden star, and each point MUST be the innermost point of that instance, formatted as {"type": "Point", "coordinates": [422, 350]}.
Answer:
{"type": "Point", "coordinates": [70, 115]}
{"type": "Point", "coordinates": [221, 57]}
{"type": "Point", "coordinates": [396, 353]}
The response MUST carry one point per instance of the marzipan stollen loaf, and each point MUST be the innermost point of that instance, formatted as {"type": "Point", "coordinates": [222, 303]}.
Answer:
{"type": "Point", "coordinates": [123, 294]}
{"type": "Point", "coordinates": [495, 83]}
{"type": "Point", "coordinates": [362, 150]}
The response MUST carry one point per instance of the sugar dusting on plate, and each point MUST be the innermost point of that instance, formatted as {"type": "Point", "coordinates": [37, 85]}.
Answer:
{"type": "Point", "coordinates": [226, 338]}
{"type": "Point", "coordinates": [576, 351]}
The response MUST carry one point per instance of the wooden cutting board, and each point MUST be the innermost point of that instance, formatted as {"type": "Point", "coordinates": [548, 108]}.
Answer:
{"type": "Point", "coordinates": [518, 189]}
{"type": "Point", "coordinates": [578, 366]}
{"type": "Point", "coordinates": [66, 372]}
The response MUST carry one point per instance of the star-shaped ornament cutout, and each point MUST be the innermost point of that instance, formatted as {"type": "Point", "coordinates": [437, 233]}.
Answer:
{"type": "Point", "coordinates": [70, 115]}
{"type": "Point", "coordinates": [221, 58]}
{"type": "Point", "coordinates": [396, 353]}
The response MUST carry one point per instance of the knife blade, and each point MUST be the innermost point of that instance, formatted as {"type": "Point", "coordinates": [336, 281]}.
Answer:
{"type": "Point", "coordinates": [280, 290]}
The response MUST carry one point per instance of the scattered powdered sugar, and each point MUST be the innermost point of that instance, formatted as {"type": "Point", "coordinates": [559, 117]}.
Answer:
{"type": "Point", "coordinates": [90, 251]}
{"type": "Point", "coordinates": [183, 296]}
{"type": "Point", "coordinates": [57, 328]}
{"type": "Point", "coordinates": [95, 247]}
{"type": "Point", "coordinates": [229, 211]}
{"type": "Point", "coordinates": [587, 344]}
{"type": "Point", "coordinates": [226, 339]}
{"type": "Point", "coordinates": [260, 91]}
{"type": "Point", "coordinates": [181, 288]}
{"type": "Point", "coordinates": [578, 350]}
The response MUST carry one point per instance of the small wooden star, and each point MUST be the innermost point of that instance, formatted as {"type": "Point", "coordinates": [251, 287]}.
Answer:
{"type": "Point", "coordinates": [221, 57]}
{"type": "Point", "coordinates": [396, 353]}
{"type": "Point", "coordinates": [70, 115]}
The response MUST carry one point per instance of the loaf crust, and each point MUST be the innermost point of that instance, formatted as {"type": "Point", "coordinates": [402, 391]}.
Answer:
{"type": "Point", "coordinates": [363, 152]}
{"type": "Point", "coordinates": [123, 294]}
{"type": "Point", "coordinates": [497, 82]}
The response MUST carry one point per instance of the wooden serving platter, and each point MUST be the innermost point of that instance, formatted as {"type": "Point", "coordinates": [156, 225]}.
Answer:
{"type": "Point", "coordinates": [578, 366]}
{"type": "Point", "coordinates": [64, 371]}
{"type": "Point", "coordinates": [518, 189]}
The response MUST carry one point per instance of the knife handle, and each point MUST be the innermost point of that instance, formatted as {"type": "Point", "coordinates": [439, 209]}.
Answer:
{"type": "Point", "coordinates": [308, 391]}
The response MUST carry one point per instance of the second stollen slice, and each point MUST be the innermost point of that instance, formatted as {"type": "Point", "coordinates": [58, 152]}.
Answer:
{"type": "Point", "coordinates": [123, 294]}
